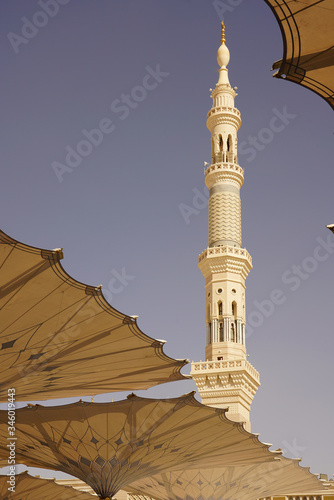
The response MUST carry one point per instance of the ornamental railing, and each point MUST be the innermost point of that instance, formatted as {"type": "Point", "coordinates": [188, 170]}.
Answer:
{"type": "Point", "coordinates": [216, 167]}
{"type": "Point", "coordinates": [225, 250]}
{"type": "Point", "coordinates": [223, 109]}
{"type": "Point", "coordinates": [236, 364]}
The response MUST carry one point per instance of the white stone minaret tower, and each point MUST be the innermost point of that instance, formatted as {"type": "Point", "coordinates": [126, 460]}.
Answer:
{"type": "Point", "coordinates": [226, 379]}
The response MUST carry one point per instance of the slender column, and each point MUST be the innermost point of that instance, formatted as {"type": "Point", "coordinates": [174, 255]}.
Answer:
{"type": "Point", "coordinates": [214, 330]}
{"type": "Point", "coordinates": [239, 331]}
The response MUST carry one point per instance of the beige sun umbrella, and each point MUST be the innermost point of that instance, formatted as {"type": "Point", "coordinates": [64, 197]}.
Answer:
{"type": "Point", "coordinates": [27, 487]}
{"type": "Point", "coordinates": [109, 445]}
{"type": "Point", "coordinates": [60, 338]}
{"type": "Point", "coordinates": [234, 482]}
{"type": "Point", "coordinates": [308, 57]}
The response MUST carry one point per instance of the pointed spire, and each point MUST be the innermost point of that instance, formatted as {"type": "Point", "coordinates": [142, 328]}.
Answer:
{"type": "Point", "coordinates": [223, 33]}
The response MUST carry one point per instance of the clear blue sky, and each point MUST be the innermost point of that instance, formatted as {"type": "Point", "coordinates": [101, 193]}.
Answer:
{"type": "Point", "coordinates": [118, 211]}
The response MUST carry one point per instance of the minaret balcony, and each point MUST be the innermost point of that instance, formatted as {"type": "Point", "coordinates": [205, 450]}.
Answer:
{"type": "Point", "coordinates": [235, 365]}
{"type": "Point", "coordinates": [217, 172]}
{"type": "Point", "coordinates": [223, 114]}
{"type": "Point", "coordinates": [225, 259]}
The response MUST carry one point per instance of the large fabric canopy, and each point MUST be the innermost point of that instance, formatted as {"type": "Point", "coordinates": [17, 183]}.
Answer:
{"type": "Point", "coordinates": [60, 338]}
{"type": "Point", "coordinates": [33, 488]}
{"type": "Point", "coordinates": [308, 57]}
{"type": "Point", "coordinates": [109, 445]}
{"type": "Point", "coordinates": [229, 483]}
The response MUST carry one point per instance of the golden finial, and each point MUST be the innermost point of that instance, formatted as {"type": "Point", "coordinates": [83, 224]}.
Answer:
{"type": "Point", "coordinates": [223, 32]}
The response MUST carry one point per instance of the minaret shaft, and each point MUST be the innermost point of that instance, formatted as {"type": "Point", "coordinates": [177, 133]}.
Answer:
{"type": "Point", "coordinates": [226, 379]}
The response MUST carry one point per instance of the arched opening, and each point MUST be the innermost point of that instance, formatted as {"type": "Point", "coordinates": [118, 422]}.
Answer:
{"type": "Point", "coordinates": [220, 308]}
{"type": "Point", "coordinates": [232, 335]}
{"type": "Point", "coordinates": [221, 332]}
{"type": "Point", "coordinates": [234, 309]}
{"type": "Point", "coordinates": [210, 340]}
{"type": "Point", "coordinates": [229, 148]}
{"type": "Point", "coordinates": [212, 150]}
{"type": "Point", "coordinates": [220, 143]}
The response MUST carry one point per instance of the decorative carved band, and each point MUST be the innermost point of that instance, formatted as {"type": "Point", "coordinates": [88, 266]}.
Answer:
{"type": "Point", "coordinates": [224, 109]}
{"type": "Point", "coordinates": [220, 115]}
{"type": "Point", "coordinates": [220, 172]}
{"type": "Point", "coordinates": [238, 364]}
{"type": "Point", "coordinates": [225, 250]}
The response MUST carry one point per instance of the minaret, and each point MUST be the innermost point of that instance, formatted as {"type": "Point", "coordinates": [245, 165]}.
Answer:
{"type": "Point", "coordinates": [226, 379]}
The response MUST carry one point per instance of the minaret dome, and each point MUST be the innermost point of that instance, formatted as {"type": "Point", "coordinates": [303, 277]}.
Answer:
{"type": "Point", "coordinates": [223, 54]}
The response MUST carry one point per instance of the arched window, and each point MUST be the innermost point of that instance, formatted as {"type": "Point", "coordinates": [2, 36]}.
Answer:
{"type": "Point", "coordinates": [234, 309]}
{"type": "Point", "coordinates": [212, 150]}
{"type": "Point", "coordinates": [232, 332]}
{"type": "Point", "coordinates": [209, 333]}
{"type": "Point", "coordinates": [220, 308]}
{"type": "Point", "coordinates": [230, 144]}
{"type": "Point", "coordinates": [221, 332]}
{"type": "Point", "coordinates": [220, 143]}
{"type": "Point", "coordinates": [229, 148]}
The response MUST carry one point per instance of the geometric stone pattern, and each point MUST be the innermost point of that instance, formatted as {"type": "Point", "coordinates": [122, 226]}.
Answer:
{"type": "Point", "coordinates": [224, 218]}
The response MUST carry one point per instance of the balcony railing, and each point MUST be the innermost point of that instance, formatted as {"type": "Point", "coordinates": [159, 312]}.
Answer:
{"type": "Point", "coordinates": [223, 109]}
{"type": "Point", "coordinates": [225, 250]}
{"type": "Point", "coordinates": [216, 167]}
{"type": "Point", "coordinates": [237, 364]}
